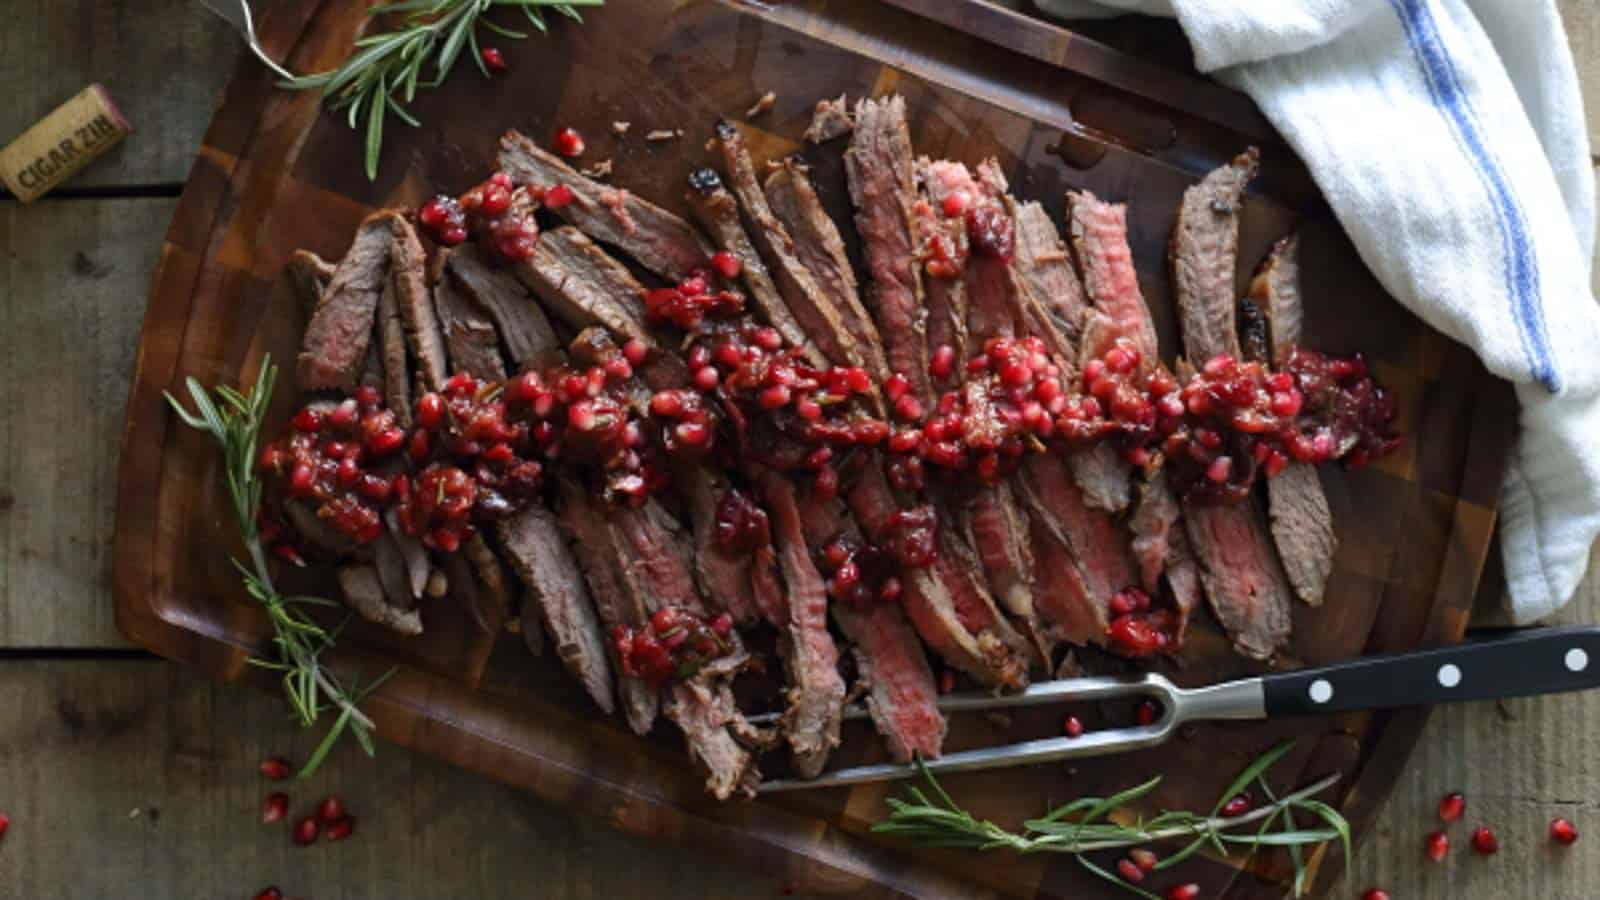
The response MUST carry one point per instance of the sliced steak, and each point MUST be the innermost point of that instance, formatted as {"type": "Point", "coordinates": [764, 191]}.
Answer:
{"type": "Point", "coordinates": [363, 592]}
{"type": "Point", "coordinates": [730, 579]}
{"type": "Point", "coordinates": [1100, 238]}
{"type": "Point", "coordinates": [879, 167]}
{"type": "Point", "coordinates": [830, 119]}
{"type": "Point", "coordinates": [814, 309]}
{"type": "Point", "coordinates": [557, 597]}
{"type": "Point", "coordinates": [1044, 266]}
{"type": "Point", "coordinates": [494, 600]}
{"type": "Point", "coordinates": [1151, 523]}
{"type": "Point", "coordinates": [335, 343]}
{"type": "Point", "coordinates": [523, 327]}
{"type": "Point", "coordinates": [469, 333]}
{"type": "Point", "coordinates": [393, 573]}
{"type": "Point", "coordinates": [396, 365]}
{"type": "Point", "coordinates": [1183, 581]}
{"type": "Point", "coordinates": [1205, 255]}
{"type": "Point", "coordinates": [659, 240]}
{"type": "Point", "coordinates": [1000, 534]}
{"type": "Point", "coordinates": [1302, 523]}
{"type": "Point", "coordinates": [718, 213]}
{"type": "Point", "coordinates": [408, 269]}
{"type": "Point", "coordinates": [1243, 578]}
{"type": "Point", "coordinates": [815, 694]}
{"type": "Point", "coordinates": [1066, 528]}
{"type": "Point", "coordinates": [946, 290]}
{"type": "Point", "coordinates": [412, 552]}
{"type": "Point", "coordinates": [902, 697]}
{"type": "Point", "coordinates": [583, 285]}
{"type": "Point", "coordinates": [584, 517]}
{"type": "Point", "coordinates": [821, 249]}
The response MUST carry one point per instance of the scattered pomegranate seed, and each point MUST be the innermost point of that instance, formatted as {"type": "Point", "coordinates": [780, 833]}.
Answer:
{"type": "Point", "coordinates": [1073, 727]}
{"type": "Point", "coordinates": [1190, 891]}
{"type": "Point", "coordinates": [1375, 894]}
{"type": "Point", "coordinates": [275, 768]}
{"type": "Point", "coordinates": [1437, 845]}
{"type": "Point", "coordinates": [341, 829]}
{"type": "Point", "coordinates": [494, 60]}
{"type": "Point", "coordinates": [568, 142]}
{"type": "Point", "coordinates": [274, 808]}
{"type": "Point", "coordinates": [1563, 832]}
{"type": "Point", "coordinates": [1238, 806]}
{"type": "Point", "coordinates": [726, 264]}
{"type": "Point", "coordinates": [1130, 871]}
{"type": "Point", "coordinates": [330, 810]}
{"type": "Point", "coordinates": [269, 893]}
{"type": "Point", "coordinates": [1144, 859]}
{"type": "Point", "coordinates": [5, 823]}
{"type": "Point", "coordinates": [306, 831]}
{"type": "Point", "coordinates": [943, 361]}
{"type": "Point", "coordinates": [1148, 712]}
{"type": "Point", "coordinates": [558, 197]}
{"type": "Point", "coordinates": [1484, 843]}
{"type": "Point", "coordinates": [1451, 807]}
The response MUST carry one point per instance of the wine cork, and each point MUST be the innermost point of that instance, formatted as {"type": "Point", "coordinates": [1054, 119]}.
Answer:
{"type": "Point", "coordinates": [60, 144]}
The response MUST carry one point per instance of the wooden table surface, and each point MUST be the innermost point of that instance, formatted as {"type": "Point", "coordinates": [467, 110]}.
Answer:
{"type": "Point", "coordinates": [128, 776]}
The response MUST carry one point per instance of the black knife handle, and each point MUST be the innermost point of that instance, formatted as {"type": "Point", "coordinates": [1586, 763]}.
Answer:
{"type": "Point", "coordinates": [1535, 661]}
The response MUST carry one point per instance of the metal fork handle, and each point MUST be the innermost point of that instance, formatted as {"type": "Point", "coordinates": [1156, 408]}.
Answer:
{"type": "Point", "coordinates": [1243, 699]}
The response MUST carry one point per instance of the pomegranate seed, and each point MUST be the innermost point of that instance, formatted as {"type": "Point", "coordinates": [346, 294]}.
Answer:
{"type": "Point", "coordinates": [693, 433]}
{"type": "Point", "coordinates": [5, 824]}
{"type": "Point", "coordinates": [1190, 891]}
{"type": "Point", "coordinates": [954, 205]}
{"type": "Point", "coordinates": [1144, 859]}
{"type": "Point", "coordinates": [1220, 468]}
{"type": "Point", "coordinates": [1130, 871]}
{"type": "Point", "coordinates": [386, 442]}
{"type": "Point", "coordinates": [342, 829]}
{"type": "Point", "coordinates": [330, 810]}
{"type": "Point", "coordinates": [726, 264]}
{"type": "Point", "coordinates": [1437, 845]}
{"type": "Point", "coordinates": [947, 681]}
{"type": "Point", "coordinates": [722, 624]}
{"type": "Point", "coordinates": [1484, 843]}
{"type": "Point", "coordinates": [581, 415]}
{"type": "Point", "coordinates": [493, 60]}
{"type": "Point", "coordinates": [275, 768]}
{"type": "Point", "coordinates": [908, 408]}
{"type": "Point", "coordinates": [1375, 894]}
{"type": "Point", "coordinates": [635, 351]}
{"type": "Point", "coordinates": [706, 378]}
{"type": "Point", "coordinates": [943, 361]}
{"type": "Point", "coordinates": [269, 893]}
{"type": "Point", "coordinates": [306, 831]}
{"type": "Point", "coordinates": [774, 397]}
{"type": "Point", "coordinates": [1147, 713]}
{"type": "Point", "coordinates": [1073, 727]}
{"type": "Point", "coordinates": [1119, 360]}
{"type": "Point", "coordinates": [808, 409]}
{"type": "Point", "coordinates": [274, 808]}
{"type": "Point", "coordinates": [895, 386]}
{"type": "Point", "coordinates": [307, 420]}
{"type": "Point", "coordinates": [1563, 832]}
{"type": "Point", "coordinates": [568, 142]}
{"type": "Point", "coordinates": [558, 197]}
{"type": "Point", "coordinates": [1451, 807]}
{"type": "Point", "coordinates": [1238, 806]}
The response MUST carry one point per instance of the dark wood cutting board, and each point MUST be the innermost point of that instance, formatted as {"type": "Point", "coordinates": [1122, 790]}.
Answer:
{"type": "Point", "coordinates": [1059, 112]}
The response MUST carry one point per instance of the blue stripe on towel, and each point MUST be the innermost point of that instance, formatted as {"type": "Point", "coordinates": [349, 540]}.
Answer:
{"type": "Point", "coordinates": [1521, 264]}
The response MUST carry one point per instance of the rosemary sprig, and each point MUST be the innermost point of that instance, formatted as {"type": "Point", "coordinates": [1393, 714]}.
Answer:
{"type": "Point", "coordinates": [1085, 825]}
{"type": "Point", "coordinates": [382, 76]}
{"type": "Point", "coordinates": [234, 420]}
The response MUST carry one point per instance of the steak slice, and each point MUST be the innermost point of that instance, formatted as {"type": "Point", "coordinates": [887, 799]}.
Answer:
{"type": "Point", "coordinates": [946, 291]}
{"type": "Point", "coordinates": [821, 249]}
{"type": "Point", "coordinates": [1066, 528]}
{"type": "Point", "coordinates": [363, 592]}
{"type": "Point", "coordinates": [1297, 508]}
{"type": "Point", "coordinates": [718, 213]}
{"type": "Point", "coordinates": [731, 579]}
{"type": "Point", "coordinates": [469, 333]}
{"type": "Point", "coordinates": [334, 346]}
{"type": "Point", "coordinates": [1044, 267]}
{"type": "Point", "coordinates": [309, 275]}
{"type": "Point", "coordinates": [830, 119]}
{"type": "Point", "coordinates": [1151, 523]}
{"type": "Point", "coordinates": [557, 597]}
{"type": "Point", "coordinates": [492, 602]}
{"type": "Point", "coordinates": [408, 269]}
{"type": "Point", "coordinates": [815, 695]}
{"type": "Point", "coordinates": [1205, 254]}
{"type": "Point", "coordinates": [816, 311]}
{"type": "Point", "coordinates": [879, 167]}
{"type": "Point", "coordinates": [583, 285]}
{"type": "Point", "coordinates": [659, 240]}
{"type": "Point", "coordinates": [1241, 572]}
{"type": "Point", "coordinates": [902, 697]}
{"type": "Point", "coordinates": [583, 517]}
{"type": "Point", "coordinates": [1000, 534]}
{"type": "Point", "coordinates": [396, 365]}
{"type": "Point", "coordinates": [522, 324]}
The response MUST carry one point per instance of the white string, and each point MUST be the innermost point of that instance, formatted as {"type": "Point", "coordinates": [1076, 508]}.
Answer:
{"type": "Point", "coordinates": [237, 14]}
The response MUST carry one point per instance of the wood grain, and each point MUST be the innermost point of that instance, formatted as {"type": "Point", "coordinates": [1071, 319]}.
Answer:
{"type": "Point", "coordinates": [71, 277]}
{"type": "Point", "coordinates": [154, 767]}
{"type": "Point", "coordinates": [164, 62]}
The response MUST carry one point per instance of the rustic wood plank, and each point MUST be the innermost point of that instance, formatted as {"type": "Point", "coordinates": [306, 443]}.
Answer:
{"type": "Point", "coordinates": [1582, 21]}
{"type": "Point", "coordinates": [73, 277]}
{"type": "Point", "coordinates": [85, 743]}
{"type": "Point", "coordinates": [164, 61]}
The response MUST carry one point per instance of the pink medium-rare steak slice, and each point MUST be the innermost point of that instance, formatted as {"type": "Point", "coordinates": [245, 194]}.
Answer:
{"type": "Point", "coordinates": [944, 285]}
{"type": "Point", "coordinates": [1093, 541]}
{"type": "Point", "coordinates": [470, 335]}
{"type": "Point", "coordinates": [1044, 266]}
{"type": "Point", "coordinates": [1205, 255]}
{"type": "Point", "coordinates": [334, 346]}
{"type": "Point", "coordinates": [408, 269]}
{"type": "Point", "coordinates": [522, 325]}
{"type": "Point", "coordinates": [879, 167]}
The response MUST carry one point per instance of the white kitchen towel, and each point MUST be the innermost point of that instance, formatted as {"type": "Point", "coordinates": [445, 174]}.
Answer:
{"type": "Point", "coordinates": [1449, 139]}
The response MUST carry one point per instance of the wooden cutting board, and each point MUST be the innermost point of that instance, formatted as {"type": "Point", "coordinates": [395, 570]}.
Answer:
{"type": "Point", "coordinates": [1059, 112]}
